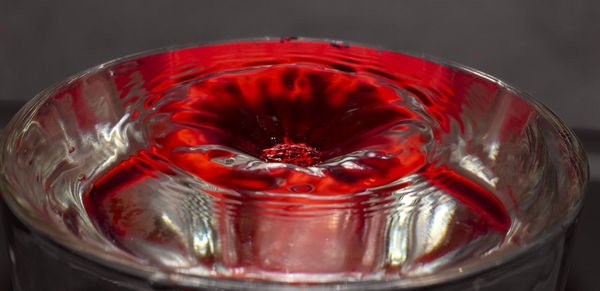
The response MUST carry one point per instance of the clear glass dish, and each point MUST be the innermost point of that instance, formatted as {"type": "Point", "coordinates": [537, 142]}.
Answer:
{"type": "Point", "coordinates": [289, 163]}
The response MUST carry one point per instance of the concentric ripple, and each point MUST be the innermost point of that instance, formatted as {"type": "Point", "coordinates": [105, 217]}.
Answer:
{"type": "Point", "coordinates": [295, 161]}
{"type": "Point", "coordinates": [367, 133]}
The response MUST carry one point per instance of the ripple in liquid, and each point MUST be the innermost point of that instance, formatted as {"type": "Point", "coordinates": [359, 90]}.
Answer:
{"type": "Point", "coordinates": [297, 168]}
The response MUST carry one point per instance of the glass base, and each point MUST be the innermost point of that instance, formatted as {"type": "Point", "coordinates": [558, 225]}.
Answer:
{"type": "Point", "coordinates": [37, 263]}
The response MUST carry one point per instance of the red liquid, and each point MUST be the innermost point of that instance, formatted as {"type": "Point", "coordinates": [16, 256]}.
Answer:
{"type": "Point", "coordinates": [298, 116]}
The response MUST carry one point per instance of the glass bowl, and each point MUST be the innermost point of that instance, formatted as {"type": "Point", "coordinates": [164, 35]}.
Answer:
{"type": "Point", "coordinates": [288, 163]}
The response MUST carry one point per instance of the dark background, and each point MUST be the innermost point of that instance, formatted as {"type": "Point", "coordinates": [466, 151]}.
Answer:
{"type": "Point", "coordinates": [550, 49]}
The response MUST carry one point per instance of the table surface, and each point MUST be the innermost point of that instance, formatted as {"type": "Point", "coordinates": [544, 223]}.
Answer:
{"type": "Point", "coordinates": [551, 51]}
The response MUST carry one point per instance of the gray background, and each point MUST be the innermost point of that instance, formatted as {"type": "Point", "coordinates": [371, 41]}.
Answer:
{"type": "Point", "coordinates": [550, 49]}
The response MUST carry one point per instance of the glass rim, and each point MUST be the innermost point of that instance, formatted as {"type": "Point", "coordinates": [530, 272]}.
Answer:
{"type": "Point", "coordinates": [93, 254]}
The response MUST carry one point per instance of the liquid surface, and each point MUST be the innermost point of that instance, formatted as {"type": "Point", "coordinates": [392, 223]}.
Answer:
{"type": "Point", "coordinates": [292, 170]}
{"type": "Point", "coordinates": [296, 161]}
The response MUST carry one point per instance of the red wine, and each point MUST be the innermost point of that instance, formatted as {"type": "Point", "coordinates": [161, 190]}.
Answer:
{"type": "Point", "coordinates": [281, 141]}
